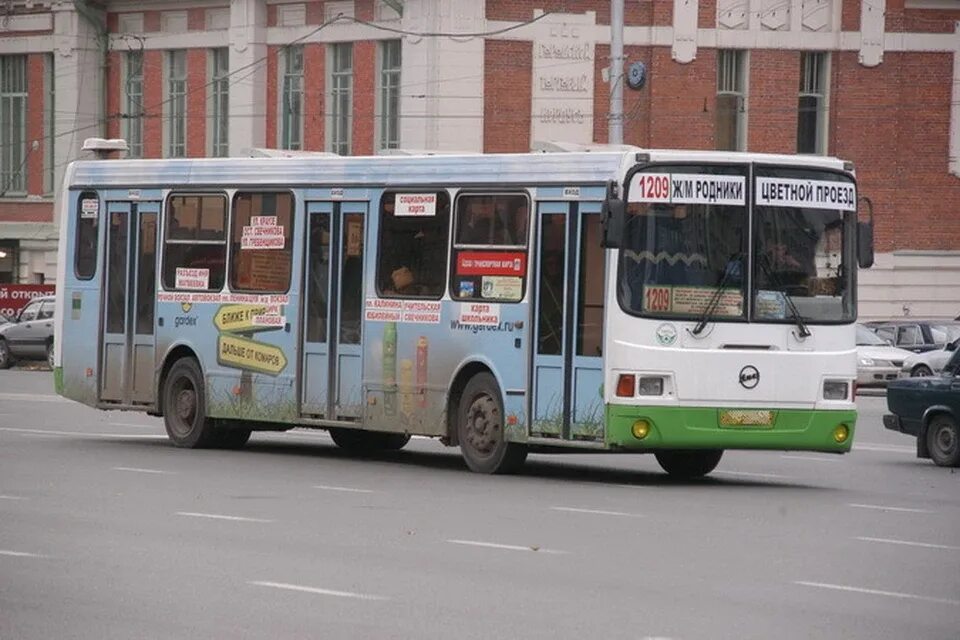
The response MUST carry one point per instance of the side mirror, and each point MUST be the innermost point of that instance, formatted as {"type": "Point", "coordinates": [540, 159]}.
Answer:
{"type": "Point", "coordinates": [865, 237]}
{"type": "Point", "coordinates": [950, 346]}
{"type": "Point", "coordinates": [612, 215]}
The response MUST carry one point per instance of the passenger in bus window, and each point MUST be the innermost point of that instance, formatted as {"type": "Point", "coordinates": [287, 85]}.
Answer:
{"type": "Point", "coordinates": [478, 228]}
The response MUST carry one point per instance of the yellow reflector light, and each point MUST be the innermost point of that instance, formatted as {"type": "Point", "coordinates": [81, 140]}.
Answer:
{"type": "Point", "coordinates": [640, 429]}
{"type": "Point", "coordinates": [840, 433]}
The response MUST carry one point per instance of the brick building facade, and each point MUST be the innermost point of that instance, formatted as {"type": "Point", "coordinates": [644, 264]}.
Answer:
{"type": "Point", "coordinates": [872, 81]}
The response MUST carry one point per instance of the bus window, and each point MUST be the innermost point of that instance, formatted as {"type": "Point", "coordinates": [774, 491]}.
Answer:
{"type": "Point", "coordinates": [414, 234]}
{"type": "Point", "coordinates": [261, 250]}
{"type": "Point", "coordinates": [552, 279]}
{"type": "Point", "coordinates": [195, 249]}
{"type": "Point", "coordinates": [490, 257]}
{"type": "Point", "coordinates": [88, 216]}
{"type": "Point", "coordinates": [590, 297]}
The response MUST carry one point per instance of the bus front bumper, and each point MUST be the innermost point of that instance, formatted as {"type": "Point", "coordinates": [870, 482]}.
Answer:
{"type": "Point", "coordinates": [640, 428]}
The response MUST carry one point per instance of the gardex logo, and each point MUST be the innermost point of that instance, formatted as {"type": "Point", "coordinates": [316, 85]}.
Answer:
{"type": "Point", "coordinates": [749, 377]}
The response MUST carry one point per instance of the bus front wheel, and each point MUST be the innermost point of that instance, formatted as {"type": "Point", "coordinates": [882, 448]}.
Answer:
{"type": "Point", "coordinates": [480, 429]}
{"type": "Point", "coordinates": [689, 464]}
{"type": "Point", "coordinates": [184, 406]}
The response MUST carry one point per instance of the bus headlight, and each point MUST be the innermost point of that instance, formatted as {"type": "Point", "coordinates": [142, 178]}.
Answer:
{"type": "Point", "coordinates": [640, 430]}
{"type": "Point", "coordinates": [840, 433]}
{"type": "Point", "coordinates": [650, 387]}
{"type": "Point", "coordinates": [835, 390]}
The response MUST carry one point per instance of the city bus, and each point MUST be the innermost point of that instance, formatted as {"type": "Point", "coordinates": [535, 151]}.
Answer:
{"type": "Point", "coordinates": [679, 303]}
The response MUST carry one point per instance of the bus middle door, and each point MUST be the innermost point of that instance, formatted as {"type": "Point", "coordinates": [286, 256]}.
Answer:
{"type": "Point", "coordinates": [567, 395]}
{"type": "Point", "coordinates": [332, 358]}
{"type": "Point", "coordinates": [127, 343]}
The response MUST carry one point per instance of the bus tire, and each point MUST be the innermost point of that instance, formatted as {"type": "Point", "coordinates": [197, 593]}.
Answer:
{"type": "Point", "coordinates": [480, 429]}
{"type": "Point", "coordinates": [185, 407]}
{"type": "Point", "coordinates": [943, 441]}
{"type": "Point", "coordinates": [689, 464]}
{"type": "Point", "coordinates": [367, 441]}
{"type": "Point", "coordinates": [5, 359]}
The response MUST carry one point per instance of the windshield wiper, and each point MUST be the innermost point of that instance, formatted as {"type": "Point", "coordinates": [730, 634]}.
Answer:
{"type": "Point", "coordinates": [797, 318]}
{"type": "Point", "coordinates": [714, 301]}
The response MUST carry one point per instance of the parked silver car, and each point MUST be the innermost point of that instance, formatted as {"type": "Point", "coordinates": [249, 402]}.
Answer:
{"type": "Point", "coordinates": [877, 361]}
{"type": "Point", "coordinates": [920, 365]}
{"type": "Point", "coordinates": [30, 335]}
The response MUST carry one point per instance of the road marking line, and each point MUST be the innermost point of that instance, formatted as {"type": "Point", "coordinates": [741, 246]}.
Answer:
{"type": "Point", "coordinates": [507, 547]}
{"type": "Point", "coordinates": [748, 474]}
{"type": "Point", "coordinates": [19, 554]}
{"type": "Point", "coordinates": [214, 516]}
{"type": "Point", "coordinates": [883, 448]}
{"type": "Point", "coordinates": [33, 397]}
{"type": "Point", "coordinates": [883, 508]}
{"type": "Point", "coordinates": [925, 545]}
{"type": "Point", "coordinates": [877, 592]}
{"type": "Point", "coordinates": [325, 487]}
{"type": "Point", "coordinates": [80, 434]}
{"type": "Point", "coordinates": [316, 590]}
{"type": "Point", "coordinates": [810, 458]}
{"type": "Point", "coordinates": [5, 497]}
{"type": "Point", "coordinates": [135, 425]}
{"type": "Point", "coordinates": [598, 512]}
{"type": "Point", "coordinates": [139, 470]}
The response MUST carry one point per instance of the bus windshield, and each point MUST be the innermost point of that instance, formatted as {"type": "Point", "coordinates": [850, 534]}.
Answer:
{"type": "Point", "coordinates": [803, 246]}
{"type": "Point", "coordinates": [685, 251]}
{"type": "Point", "coordinates": [685, 242]}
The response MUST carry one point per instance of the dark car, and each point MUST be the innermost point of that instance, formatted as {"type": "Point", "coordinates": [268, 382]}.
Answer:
{"type": "Point", "coordinates": [914, 334]}
{"type": "Point", "coordinates": [929, 409]}
{"type": "Point", "coordinates": [29, 336]}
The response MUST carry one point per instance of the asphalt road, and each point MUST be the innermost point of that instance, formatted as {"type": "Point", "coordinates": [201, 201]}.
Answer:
{"type": "Point", "coordinates": [108, 532]}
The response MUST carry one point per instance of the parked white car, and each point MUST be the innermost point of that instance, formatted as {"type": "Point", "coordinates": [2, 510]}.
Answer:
{"type": "Point", "coordinates": [877, 361]}
{"type": "Point", "coordinates": [929, 363]}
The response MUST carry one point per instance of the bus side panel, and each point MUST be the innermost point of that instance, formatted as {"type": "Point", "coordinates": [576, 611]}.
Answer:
{"type": "Point", "coordinates": [80, 304]}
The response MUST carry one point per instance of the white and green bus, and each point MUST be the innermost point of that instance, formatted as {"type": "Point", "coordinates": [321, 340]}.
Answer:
{"type": "Point", "coordinates": [678, 303]}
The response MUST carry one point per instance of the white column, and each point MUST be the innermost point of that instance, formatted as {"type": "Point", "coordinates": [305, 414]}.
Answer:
{"type": "Point", "coordinates": [441, 81]}
{"type": "Point", "coordinates": [248, 68]}
{"type": "Point", "coordinates": [79, 89]}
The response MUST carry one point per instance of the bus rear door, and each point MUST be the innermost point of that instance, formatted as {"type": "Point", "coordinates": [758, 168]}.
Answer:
{"type": "Point", "coordinates": [128, 342]}
{"type": "Point", "coordinates": [332, 355]}
{"type": "Point", "coordinates": [567, 394]}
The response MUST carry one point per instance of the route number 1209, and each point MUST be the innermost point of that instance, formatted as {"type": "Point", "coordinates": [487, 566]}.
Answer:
{"type": "Point", "coordinates": [654, 186]}
{"type": "Point", "coordinates": [657, 298]}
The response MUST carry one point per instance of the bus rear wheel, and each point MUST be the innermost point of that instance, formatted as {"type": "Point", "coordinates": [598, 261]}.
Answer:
{"type": "Point", "coordinates": [368, 441]}
{"type": "Point", "coordinates": [480, 429]}
{"type": "Point", "coordinates": [184, 407]}
{"type": "Point", "coordinates": [689, 464]}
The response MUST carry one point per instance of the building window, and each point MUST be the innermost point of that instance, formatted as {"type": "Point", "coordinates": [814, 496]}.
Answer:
{"type": "Point", "coordinates": [388, 106]}
{"type": "Point", "coordinates": [219, 102]}
{"type": "Point", "coordinates": [812, 107]}
{"type": "Point", "coordinates": [177, 104]}
{"type": "Point", "coordinates": [731, 129]}
{"type": "Point", "coordinates": [49, 118]}
{"type": "Point", "coordinates": [133, 102]}
{"type": "Point", "coordinates": [341, 97]}
{"type": "Point", "coordinates": [8, 261]}
{"type": "Point", "coordinates": [291, 107]}
{"type": "Point", "coordinates": [13, 123]}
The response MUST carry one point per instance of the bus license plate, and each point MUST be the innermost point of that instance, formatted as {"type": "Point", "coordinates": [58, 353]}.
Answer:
{"type": "Point", "coordinates": [746, 418]}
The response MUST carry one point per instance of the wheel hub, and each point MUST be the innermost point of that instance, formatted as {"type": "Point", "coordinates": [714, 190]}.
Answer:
{"type": "Point", "coordinates": [945, 440]}
{"type": "Point", "coordinates": [186, 405]}
{"type": "Point", "coordinates": [483, 425]}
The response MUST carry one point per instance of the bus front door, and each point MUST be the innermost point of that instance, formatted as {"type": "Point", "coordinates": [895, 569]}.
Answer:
{"type": "Point", "coordinates": [129, 298]}
{"type": "Point", "coordinates": [332, 357]}
{"type": "Point", "coordinates": [567, 393]}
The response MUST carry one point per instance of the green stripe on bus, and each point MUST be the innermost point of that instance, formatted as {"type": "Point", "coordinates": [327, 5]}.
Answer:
{"type": "Point", "coordinates": [700, 427]}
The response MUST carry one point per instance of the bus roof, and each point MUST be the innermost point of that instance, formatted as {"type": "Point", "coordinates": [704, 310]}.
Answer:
{"type": "Point", "coordinates": [519, 168]}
